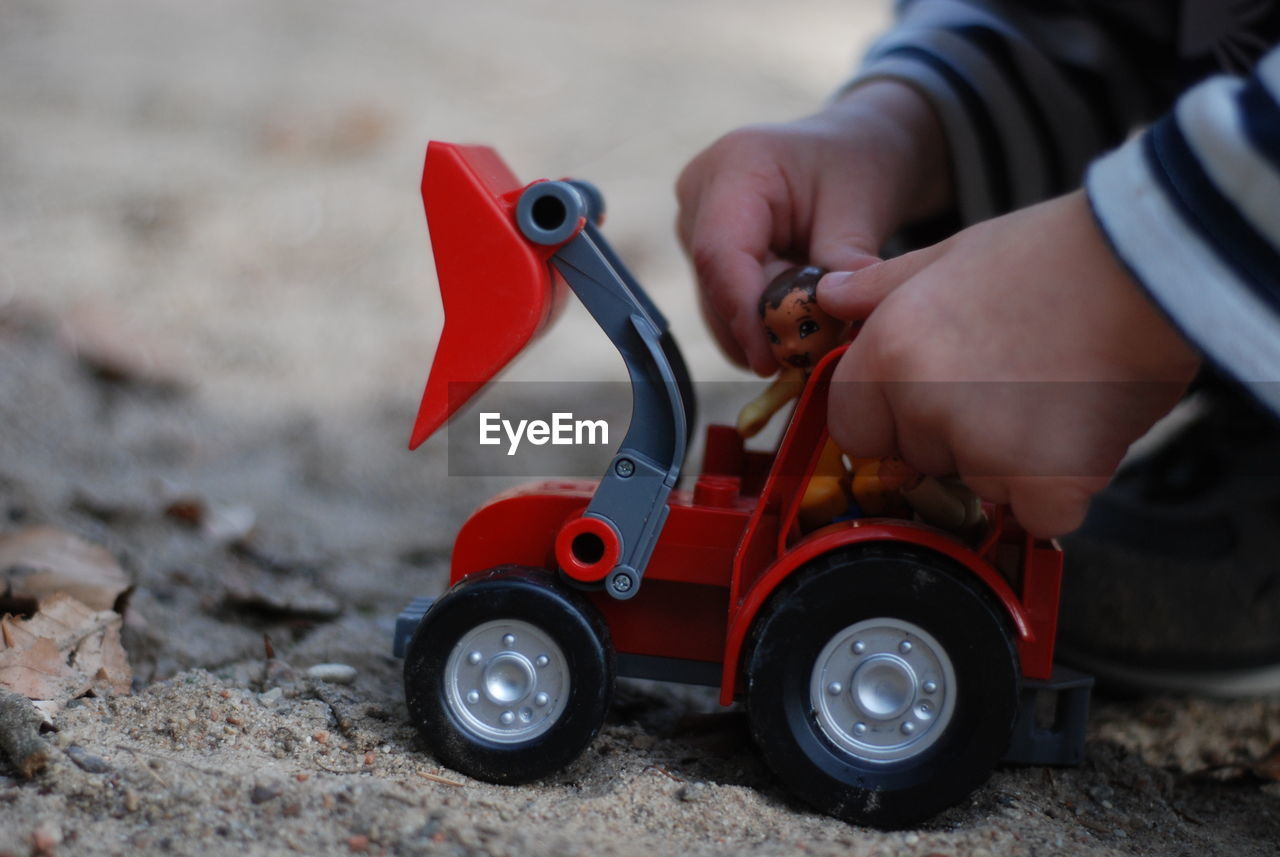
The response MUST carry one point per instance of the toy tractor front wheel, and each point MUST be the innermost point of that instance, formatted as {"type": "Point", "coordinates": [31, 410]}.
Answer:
{"type": "Point", "coordinates": [509, 676]}
{"type": "Point", "coordinates": [883, 684]}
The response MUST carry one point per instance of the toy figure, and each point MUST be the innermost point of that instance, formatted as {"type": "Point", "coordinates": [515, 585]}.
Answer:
{"type": "Point", "coordinates": [800, 333]}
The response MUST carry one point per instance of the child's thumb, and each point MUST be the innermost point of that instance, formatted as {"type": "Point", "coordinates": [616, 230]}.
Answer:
{"type": "Point", "coordinates": [852, 295]}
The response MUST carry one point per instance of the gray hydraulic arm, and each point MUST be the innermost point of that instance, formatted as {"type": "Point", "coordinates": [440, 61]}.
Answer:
{"type": "Point", "coordinates": [632, 495]}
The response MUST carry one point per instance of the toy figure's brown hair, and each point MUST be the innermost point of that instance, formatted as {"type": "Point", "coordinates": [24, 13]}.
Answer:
{"type": "Point", "coordinates": [803, 279]}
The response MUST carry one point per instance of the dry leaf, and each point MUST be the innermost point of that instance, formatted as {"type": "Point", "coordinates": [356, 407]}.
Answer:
{"type": "Point", "coordinates": [35, 668]}
{"type": "Point", "coordinates": [63, 651]}
{"type": "Point", "coordinates": [37, 562]}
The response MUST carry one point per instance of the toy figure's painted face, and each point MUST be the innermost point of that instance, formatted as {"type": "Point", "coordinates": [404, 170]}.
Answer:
{"type": "Point", "coordinates": [799, 332]}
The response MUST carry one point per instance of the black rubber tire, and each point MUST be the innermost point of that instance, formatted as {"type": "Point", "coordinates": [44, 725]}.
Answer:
{"type": "Point", "coordinates": [528, 595]}
{"type": "Point", "coordinates": [876, 581]}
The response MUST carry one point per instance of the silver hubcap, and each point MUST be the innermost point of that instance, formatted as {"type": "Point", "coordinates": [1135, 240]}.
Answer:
{"type": "Point", "coordinates": [507, 681]}
{"type": "Point", "coordinates": [883, 689]}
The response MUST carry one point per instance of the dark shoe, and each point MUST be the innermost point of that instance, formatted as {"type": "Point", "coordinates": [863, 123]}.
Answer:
{"type": "Point", "coordinates": [1173, 582]}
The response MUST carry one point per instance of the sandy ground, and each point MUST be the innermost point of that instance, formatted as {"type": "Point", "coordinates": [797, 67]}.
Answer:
{"type": "Point", "coordinates": [225, 195]}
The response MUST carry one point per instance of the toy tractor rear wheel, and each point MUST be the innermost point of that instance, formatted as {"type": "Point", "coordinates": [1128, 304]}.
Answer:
{"type": "Point", "coordinates": [509, 676]}
{"type": "Point", "coordinates": [883, 684]}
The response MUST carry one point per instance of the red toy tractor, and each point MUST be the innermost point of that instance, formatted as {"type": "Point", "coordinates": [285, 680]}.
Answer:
{"type": "Point", "coordinates": [886, 667]}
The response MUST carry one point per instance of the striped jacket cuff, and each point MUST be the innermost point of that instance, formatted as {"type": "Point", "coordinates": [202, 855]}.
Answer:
{"type": "Point", "coordinates": [1192, 207]}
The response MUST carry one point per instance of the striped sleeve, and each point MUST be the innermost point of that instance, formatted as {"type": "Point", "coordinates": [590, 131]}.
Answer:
{"type": "Point", "coordinates": [1192, 207]}
{"type": "Point", "coordinates": [1028, 93]}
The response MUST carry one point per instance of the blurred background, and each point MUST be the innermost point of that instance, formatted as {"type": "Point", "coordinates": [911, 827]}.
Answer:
{"type": "Point", "coordinates": [217, 314]}
{"type": "Point", "coordinates": [217, 301]}
{"type": "Point", "coordinates": [230, 189]}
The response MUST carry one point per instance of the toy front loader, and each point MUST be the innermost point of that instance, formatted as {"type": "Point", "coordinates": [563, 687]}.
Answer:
{"type": "Point", "coordinates": [885, 666]}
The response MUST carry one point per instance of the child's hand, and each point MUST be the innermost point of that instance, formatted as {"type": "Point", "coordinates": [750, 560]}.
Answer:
{"type": "Point", "coordinates": [826, 190]}
{"type": "Point", "coordinates": [993, 320]}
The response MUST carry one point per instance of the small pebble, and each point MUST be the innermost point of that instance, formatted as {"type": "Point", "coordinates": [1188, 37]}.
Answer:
{"type": "Point", "coordinates": [359, 844]}
{"type": "Point", "coordinates": [271, 698]}
{"type": "Point", "coordinates": [911, 838]}
{"type": "Point", "coordinates": [264, 793]}
{"type": "Point", "coordinates": [368, 759]}
{"type": "Point", "coordinates": [332, 673]}
{"type": "Point", "coordinates": [692, 792]}
{"type": "Point", "coordinates": [320, 737]}
{"type": "Point", "coordinates": [302, 778]}
{"type": "Point", "coordinates": [86, 761]}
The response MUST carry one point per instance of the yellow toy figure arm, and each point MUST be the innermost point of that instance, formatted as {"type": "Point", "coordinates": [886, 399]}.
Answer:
{"type": "Point", "coordinates": [756, 413]}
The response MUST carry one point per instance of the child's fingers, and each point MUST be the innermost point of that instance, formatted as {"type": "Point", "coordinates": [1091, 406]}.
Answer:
{"type": "Point", "coordinates": [731, 281]}
{"type": "Point", "coordinates": [1046, 506]}
{"type": "Point", "coordinates": [858, 412]}
{"type": "Point", "coordinates": [848, 223]}
{"type": "Point", "coordinates": [727, 241]}
{"type": "Point", "coordinates": [845, 238]}
{"type": "Point", "coordinates": [1049, 506]}
{"type": "Point", "coordinates": [720, 331]}
{"type": "Point", "coordinates": [852, 295]}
